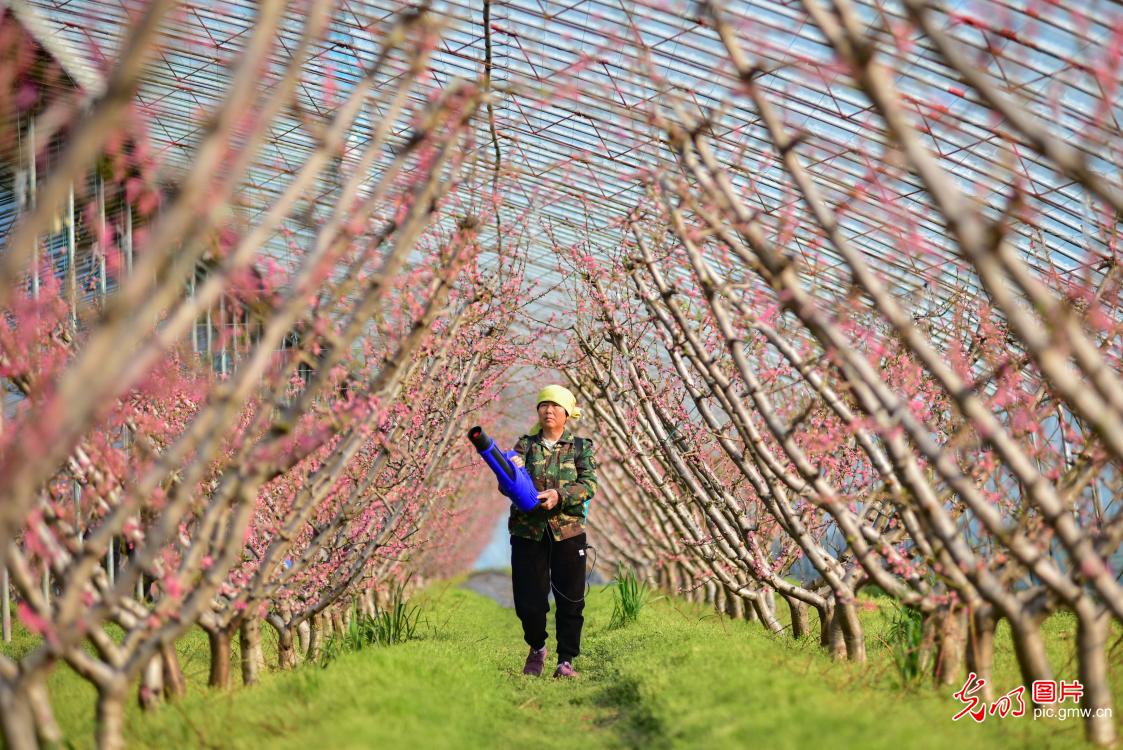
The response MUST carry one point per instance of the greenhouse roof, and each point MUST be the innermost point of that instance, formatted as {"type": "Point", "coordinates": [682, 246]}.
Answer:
{"type": "Point", "coordinates": [575, 86]}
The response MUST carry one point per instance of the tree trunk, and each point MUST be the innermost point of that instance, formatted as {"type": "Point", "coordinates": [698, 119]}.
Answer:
{"type": "Point", "coordinates": [852, 634]}
{"type": "Point", "coordinates": [751, 612]}
{"type": "Point", "coordinates": [836, 641]}
{"type": "Point", "coordinates": [17, 719]}
{"type": "Point", "coordinates": [1091, 636]}
{"type": "Point", "coordinates": [980, 649]}
{"type": "Point", "coordinates": [5, 605]}
{"type": "Point", "coordinates": [951, 647]}
{"type": "Point", "coordinates": [929, 627]}
{"type": "Point", "coordinates": [111, 714]}
{"type": "Point", "coordinates": [368, 604]}
{"type": "Point", "coordinates": [175, 686]}
{"type": "Point", "coordinates": [337, 621]}
{"type": "Point", "coordinates": [219, 639]}
{"type": "Point", "coordinates": [286, 649]}
{"type": "Point", "coordinates": [767, 615]}
{"type": "Point", "coordinates": [768, 603]}
{"type": "Point", "coordinates": [798, 610]}
{"type": "Point", "coordinates": [734, 606]}
{"type": "Point", "coordinates": [249, 642]}
{"type": "Point", "coordinates": [150, 691]}
{"type": "Point", "coordinates": [1030, 650]}
{"type": "Point", "coordinates": [304, 635]}
{"type": "Point", "coordinates": [50, 734]}
{"type": "Point", "coordinates": [826, 615]}
{"type": "Point", "coordinates": [315, 638]}
{"type": "Point", "coordinates": [673, 579]}
{"type": "Point", "coordinates": [720, 599]}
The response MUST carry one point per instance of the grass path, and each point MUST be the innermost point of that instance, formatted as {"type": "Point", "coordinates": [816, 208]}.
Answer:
{"type": "Point", "coordinates": [680, 678]}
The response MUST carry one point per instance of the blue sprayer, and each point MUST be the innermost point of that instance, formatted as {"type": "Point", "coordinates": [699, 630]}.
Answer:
{"type": "Point", "coordinates": [514, 481]}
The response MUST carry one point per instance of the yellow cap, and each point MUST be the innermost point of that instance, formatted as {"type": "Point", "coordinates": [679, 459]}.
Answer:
{"type": "Point", "coordinates": [560, 396]}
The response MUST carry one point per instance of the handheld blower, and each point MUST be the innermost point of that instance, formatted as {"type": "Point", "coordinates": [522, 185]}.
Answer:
{"type": "Point", "coordinates": [514, 481]}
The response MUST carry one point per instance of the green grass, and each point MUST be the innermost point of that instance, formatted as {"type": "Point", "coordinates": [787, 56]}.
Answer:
{"type": "Point", "coordinates": [396, 623]}
{"type": "Point", "coordinates": [629, 596]}
{"type": "Point", "coordinates": [678, 677]}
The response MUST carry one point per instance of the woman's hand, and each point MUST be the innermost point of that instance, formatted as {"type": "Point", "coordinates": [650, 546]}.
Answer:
{"type": "Point", "coordinates": [547, 499]}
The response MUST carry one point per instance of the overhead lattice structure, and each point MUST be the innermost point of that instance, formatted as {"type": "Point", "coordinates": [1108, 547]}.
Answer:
{"type": "Point", "coordinates": [575, 86]}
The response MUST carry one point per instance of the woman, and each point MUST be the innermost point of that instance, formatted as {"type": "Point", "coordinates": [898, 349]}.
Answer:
{"type": "Point", "coordinates": [548, 543]}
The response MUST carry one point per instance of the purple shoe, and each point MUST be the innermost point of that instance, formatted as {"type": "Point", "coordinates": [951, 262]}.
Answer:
{"type": "Point", "coordinates": [565, 669]}
{"type": "Point", "coordinates": [535, 662]}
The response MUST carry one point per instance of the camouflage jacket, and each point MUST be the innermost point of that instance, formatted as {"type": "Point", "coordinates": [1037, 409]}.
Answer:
{"type": "Point", "coordinates": [571, 473]}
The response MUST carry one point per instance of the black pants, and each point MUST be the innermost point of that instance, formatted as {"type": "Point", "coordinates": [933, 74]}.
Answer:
{"type": "Point", "coordinates": [534, 564]}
